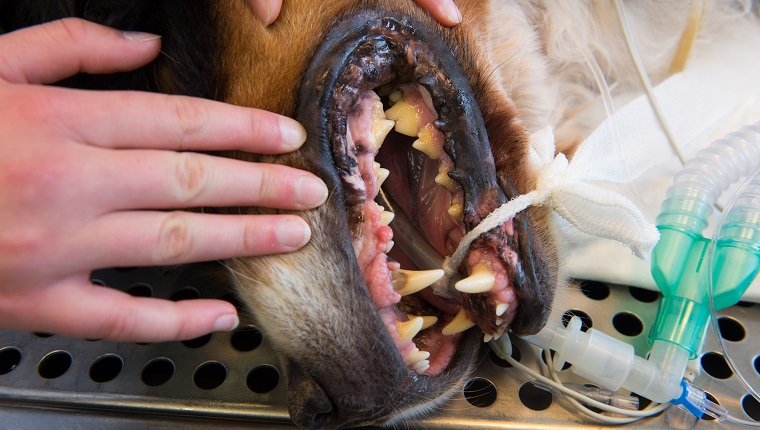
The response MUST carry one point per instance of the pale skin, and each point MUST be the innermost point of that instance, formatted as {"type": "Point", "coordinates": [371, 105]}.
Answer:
{"type": "Point", "coordinates": [67, 207]}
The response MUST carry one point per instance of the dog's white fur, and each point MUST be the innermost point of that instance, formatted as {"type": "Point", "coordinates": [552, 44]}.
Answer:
{"type": "Point", "coordinates": [544, 52]}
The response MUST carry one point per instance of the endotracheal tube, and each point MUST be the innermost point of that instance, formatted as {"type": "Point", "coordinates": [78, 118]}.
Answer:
{"type": "Point", "coordinates": [681, 271]}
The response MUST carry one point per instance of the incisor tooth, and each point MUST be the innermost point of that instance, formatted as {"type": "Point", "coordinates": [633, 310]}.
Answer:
{"type": "Point", "coordinates": [413, 281]}
{"type": "Point", "coordinates": [380, 130]}
{"type": "Point", "coordinates": [460, 323]}
{"type": "Point", "coordinates": [481, 280]}
{"type": "Point", "coordinates": [422, 366]}
{"type": "Point", "coordinates": [456, 211]}
{"type": "Point", "coordinates": [501, 308]}
{"type": "Point", "coordinates": [389, 246]}
{"type": "Point", "coordinates": [426, 144]}
{"type": "Point", "coordinates": [416, 356]}
{"type": "Point", "coordinates": [406, 116]}
{"type": "Point", "coordinates": [408, 329]}
{"type": "Point", "coordinates": [382, 175]}
{"type": "Point", "coordinates": [386, 217]}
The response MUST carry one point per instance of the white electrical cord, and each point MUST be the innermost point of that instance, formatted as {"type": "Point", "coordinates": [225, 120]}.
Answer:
{"type": "Point", "coordinates": [574, 397]}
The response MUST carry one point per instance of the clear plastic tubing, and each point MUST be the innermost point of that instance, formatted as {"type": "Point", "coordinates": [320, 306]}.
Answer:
{"type": "Point", "coordinates": [677, 259]}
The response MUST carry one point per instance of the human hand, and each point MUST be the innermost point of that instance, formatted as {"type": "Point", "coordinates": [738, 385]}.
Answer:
{"type": "Point", "coordinates": [85, 176]}
{"type": "Point", "coordinates": [445, 12]}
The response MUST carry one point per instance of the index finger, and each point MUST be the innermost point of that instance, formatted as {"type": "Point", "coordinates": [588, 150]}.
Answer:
{"type": "Point", "coordinates": [131, 119]}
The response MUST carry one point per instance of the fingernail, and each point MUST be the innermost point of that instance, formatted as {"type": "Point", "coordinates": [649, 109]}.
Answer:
{"type": "Point", "coordinates": [226, 322]}
{"type": "Point", "coordinates": [293, 233]}
{"type": "Point", "coordinates": [452, 11]}
{"type": "Point", "coordinates": [139, 36]}
{"type": "Point", "coordinates": [292, 133]}
{"type": "Point", "coordinates": [310, 191]}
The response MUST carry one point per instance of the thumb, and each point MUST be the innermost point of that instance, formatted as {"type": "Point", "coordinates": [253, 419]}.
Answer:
{"type": "Point", "coordinates": [56, 50]}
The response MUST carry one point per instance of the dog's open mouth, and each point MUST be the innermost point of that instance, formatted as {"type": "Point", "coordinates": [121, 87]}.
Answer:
{"type": "Point", "coordinates": [401, 122]}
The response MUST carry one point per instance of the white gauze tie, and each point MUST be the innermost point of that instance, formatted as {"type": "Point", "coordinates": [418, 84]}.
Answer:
{"type": "Point", "coordinates": [590, 208]}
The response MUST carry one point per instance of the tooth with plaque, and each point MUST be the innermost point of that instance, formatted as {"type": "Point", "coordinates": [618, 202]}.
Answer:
{"type": "Point", "coordinates": [443, 179]}
{"type": "Point", "coordinates": [460, 323]}
{"type": "Point", "coordinates": [456, 211]}
{"type": "Point", "coordinates": [408, 282]}
{"type": "Point", "coordinates": [407, 117]}
{"type": "Point", "coordinates": [426, 143]}
{"type": "Point", "coordinates": [481, 280]}
{"type": "Point", "coordinates": [408, 329]}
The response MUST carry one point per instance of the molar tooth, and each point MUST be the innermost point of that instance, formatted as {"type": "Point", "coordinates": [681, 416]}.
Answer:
{"type": "Point", "coordinates": [406, 116]}
{"type": "Point", "coordinates": [411, 281]}
{"type": "Point", "coordinates": [442, 179]}
{"type": "Point", "coordinates": [460, 323]}
{"type": "Point", "coordinates": [386, 217]}
{"type": "Point", "coordinates": [481, 280]}
{"type": "Point", "coordinates": [501, 308]}
{"type": "Point", "coordinates": [408, 329]}
{"type": "Point", "coordinates": [426, 144]}
{"type": "Point", "coordinates": [456, 211]}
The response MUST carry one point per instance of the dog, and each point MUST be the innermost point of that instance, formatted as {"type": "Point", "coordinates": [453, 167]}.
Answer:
{"type": "Point", "coordinates": [446, 115]}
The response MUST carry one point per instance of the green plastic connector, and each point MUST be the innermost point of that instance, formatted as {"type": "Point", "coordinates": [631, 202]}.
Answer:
{"type": "Point", "coordinates": [680, 269]}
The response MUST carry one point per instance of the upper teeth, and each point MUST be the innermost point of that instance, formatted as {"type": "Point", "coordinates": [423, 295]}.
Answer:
{"type": "Point", "coordinates": [426, 143]}
{"type": "Point", "coordinates": [481, 280]}
{"type": "Point", "coordinates": [407, 117]}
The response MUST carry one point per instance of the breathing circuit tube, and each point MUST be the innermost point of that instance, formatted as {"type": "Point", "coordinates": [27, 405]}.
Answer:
{"type": "Point", "coordinates": [684, 269]}
{"type": "Point", "coordinates": [677, 259]}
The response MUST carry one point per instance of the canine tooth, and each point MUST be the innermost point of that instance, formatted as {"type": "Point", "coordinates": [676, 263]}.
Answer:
{"type": "Point", "coordinates": [456, 211]}
{"type": "Point", "coordinates": [427, 321]}
{"type": "Point", "coordinates": [416, 280]}
{"type": "Point", "coordinates": [460, 323]}
{"type": "Point", "coordinates": [422, 366]}
{"type": "Point", "coordinates": [442, 179]}
{"type": "Point", "coordinates": [408, 329]}
{"type": "Point", "coordinates": [487, 338]}
{"type": "Point", "coordinates": [501, 308]}
{"type": "Point", "coordinates": [386, 217]}
{"type": "Point", "coordinates": [481, 280]}
{"type": "Point", "coordinates": [406, 116]}
{"type": "Point", "coordinates": [426, 144]}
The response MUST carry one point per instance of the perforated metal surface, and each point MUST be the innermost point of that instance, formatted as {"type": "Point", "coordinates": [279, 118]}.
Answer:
{"type": "Point", "coordinates": [232, 380]}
